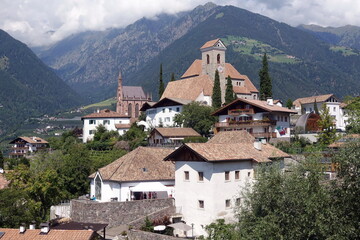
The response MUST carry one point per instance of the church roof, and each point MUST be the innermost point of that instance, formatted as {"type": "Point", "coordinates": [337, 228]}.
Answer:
{"type": "Point", "coordinates": [133, 92]}
{"type": "Point", "coordinates": [189, 89]}
{"type": "Point", "coordinates": [141, 164]}
{"type": "Point", "coordinates": [211, 43]}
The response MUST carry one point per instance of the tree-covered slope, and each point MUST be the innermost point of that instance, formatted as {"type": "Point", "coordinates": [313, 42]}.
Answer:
{"type": "Point", "coordinates": [318, 69]}
{"type": "Point", "coordinates": [28, 87]}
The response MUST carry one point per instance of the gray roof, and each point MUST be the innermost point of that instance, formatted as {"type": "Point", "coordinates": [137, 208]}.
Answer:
{"type": "Point", "coordinates": [133, 92]}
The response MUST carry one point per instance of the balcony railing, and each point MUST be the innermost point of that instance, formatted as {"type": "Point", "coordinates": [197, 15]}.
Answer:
{"type": "Point", "coordinates": [246, 123]}
{"type": "Point", "coordinates": [236, 112]}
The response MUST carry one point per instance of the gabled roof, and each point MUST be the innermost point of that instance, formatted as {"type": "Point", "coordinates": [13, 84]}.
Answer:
{"type": "Point", "coordinates": [222, 149]}
{"type": "Point", "coordinates": [146, 106]}
{"type": "Point", "coordinates": [212, 43]}
{"type": "Point", "coordinates": [133, 92]}
{"type": "Point", "coordinates": [167, 101]}
{"type": "Point", "coordinates": [53, 234]}
{"type": "Point", "coordinates": [319, 99]}
{"type": "Point", "coordinates": [189, 89]}
{"type": "Point", "coordinates": [176, 132]}
{"type": "Point", "coordinates": [257, 103]}
{"type": "Point", "coordinates": [32, 140]}
{"type": "Point", "coordinates": [105, 113]}
{"type": "Point", "coordinates": [141, 164]}
{"type": "Point", "coordinates": [193, 70]}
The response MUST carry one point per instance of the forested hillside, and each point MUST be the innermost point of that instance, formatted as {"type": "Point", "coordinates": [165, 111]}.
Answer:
{"type": "Point", "coordinates": [28, 87]}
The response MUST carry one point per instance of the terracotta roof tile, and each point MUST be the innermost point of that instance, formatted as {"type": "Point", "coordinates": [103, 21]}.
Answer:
{"type": "Point", "coordinates": [241, 90]}
{"type": "Point", "coordinates": [232, 137]}
{"type": "Point", "coordinates": [141, 164]}
{"type": "Point", "coordinates": [189, 89]}
{"type": "Point", "coordinates": [177, 132]}
{"type": "Point", "coordinates": [105, 113]}
{"type": "Point", "coordinates": [210, 43]}
{"type": "Point", "coordinates": [194, 69]}
{"type": "Point", "coordinates": [305, 100]}
{"type": "Point", "coordinates": [53, 234]}
{"type": "Point", "coordinates": [30, 140]}
{"type": "Point", "coordinates": [122, 125]}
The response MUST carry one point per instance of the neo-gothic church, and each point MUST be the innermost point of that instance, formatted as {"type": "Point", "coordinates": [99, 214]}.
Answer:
{"type": "Point", "coordinates": [130, 99]}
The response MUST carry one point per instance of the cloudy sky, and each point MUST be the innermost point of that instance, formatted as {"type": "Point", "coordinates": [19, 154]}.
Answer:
{"type": "Point", "coordinates": [41, 22]}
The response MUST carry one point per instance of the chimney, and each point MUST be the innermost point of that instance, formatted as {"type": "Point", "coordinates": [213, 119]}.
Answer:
{"type": "Point", "coordinates": [257, 145]}
{"type": "Point", "coordinates": [44, 228]}
{"type": "Point", "coordinates": [270, 101]}
{"type": "Point", "coordinates": [32, 225]}
{"type": "Point", "coordinates": [22, 229]}
{"type": "Point", "coordinates": [98, 110]}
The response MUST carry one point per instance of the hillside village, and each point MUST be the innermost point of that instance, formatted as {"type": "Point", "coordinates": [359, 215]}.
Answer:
{"type": "Point", "coordinates": [171, 175]}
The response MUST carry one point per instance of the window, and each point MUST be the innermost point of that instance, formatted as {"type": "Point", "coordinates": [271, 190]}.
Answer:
{"type": "Point", "coordinates": [106, 122]}
{"type": "Point", "coordinates": [237, 175]}
{"type": "Point", "coordinates": [178, 109]}
{"type": "Point", "coordinates": [91, 132]}
{"type": "Point", "coordinates": [237, 202]}
{"type": "Point", "coordinates": [98, 188]}
{"type": "Point", "coordinates": [170, 109]}
{"type": "Point", "coordinates": [334, 109]}
{"type": "Point", "coordinates": [304, 109]}
{"type": "Point", "coordinates": [130, 109]}
{"type": "Point", "coordinates": [227, 203]}
{"type": "Point", "coordinates": [249, 174]}
{"type": "Point", "coordinates": [167, 119]}
{"type": "Point", "coordinates": [207, 59]}
{"type": "Point", "coordinates": [186, 176]}
{"type": "Point", "coordinates": [227, 176]}
{"type": "Point", "coordinates": [137, 110]}
{"type": "Point", "coordinates": [163, 110]}
{"type": "Point", "coordinates": [201, 203]}
{"type": "Point", "coordinates": [201, 176]}
{"type": "Point", "coordinates": [218, 58]}
{"type": "Point", "coordinates": [92, 121]}
{"type": "Point", "coordinates": [286, 119]}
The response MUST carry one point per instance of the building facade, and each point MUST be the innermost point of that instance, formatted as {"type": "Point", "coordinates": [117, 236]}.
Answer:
{"type": "Point", "coordinates": [171, 135]}
{"type": "Point", "coordinates": [111, 120]}
{"type": "Point", "coordinates": [23, 146]}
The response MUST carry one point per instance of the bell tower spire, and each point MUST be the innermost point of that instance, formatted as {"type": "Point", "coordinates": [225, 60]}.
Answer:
{"type": "Point", "coordinates": [119, 95]}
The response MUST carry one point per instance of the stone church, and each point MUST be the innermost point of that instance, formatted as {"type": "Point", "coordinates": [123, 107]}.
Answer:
{"type": "Point", "coordinates": [130, 99]}
{"type": "Point", "coordinates": [197, 82]}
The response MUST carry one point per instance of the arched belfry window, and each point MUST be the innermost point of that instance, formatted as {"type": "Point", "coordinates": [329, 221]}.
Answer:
{"type": "Point", "coordinates": [130, 110]}
{"type": "Point", "coordinates": [218, 58]}
{"type": "Point", "coordinates": [207, 59]}
{"type": "Point", "coordinates": [97, 187]}
{"type": "Point", "coordinates": [137, 110]}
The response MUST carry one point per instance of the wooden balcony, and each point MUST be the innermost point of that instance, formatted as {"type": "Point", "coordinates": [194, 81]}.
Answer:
{"type": "Point", "coordinates": [237, 112]}
{"type": "Point", "coordinates": [264, 135]}
{"type": "Point", "coordinates": [249, 123]}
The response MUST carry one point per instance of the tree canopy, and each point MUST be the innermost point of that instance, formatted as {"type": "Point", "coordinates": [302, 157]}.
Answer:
{"type": "Point", "coordinates": [353, 111]}
{"type": "Point", "coordinates": [327, 134]}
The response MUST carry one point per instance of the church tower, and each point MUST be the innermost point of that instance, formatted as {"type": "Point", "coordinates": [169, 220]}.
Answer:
{"type": "Point", "coordinates": [119, 96]}
{"type": "Point", "coordinates": [213, 58]}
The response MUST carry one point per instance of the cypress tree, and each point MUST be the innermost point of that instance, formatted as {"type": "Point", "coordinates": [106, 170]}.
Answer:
{"type": "Point", "coordinates": [216, 95]}
{"type": "Point", "coordinates": [316, 109]}
{"type": "Point", "coordinates": [161, 83]}
{"type": "Point", "coordinates": [172, 77]}
{"type": "Point", "coordinates": [265, 80]}
{"type": "Point", "coordinates": [229, 93]}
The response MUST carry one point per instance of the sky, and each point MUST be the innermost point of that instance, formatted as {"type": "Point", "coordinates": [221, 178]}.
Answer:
{"type": "Point", "coordinates": [42, 22]}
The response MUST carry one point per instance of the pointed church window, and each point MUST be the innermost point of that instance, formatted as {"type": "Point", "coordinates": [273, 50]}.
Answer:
{"type": "Point", "coordinates": [130, 110]}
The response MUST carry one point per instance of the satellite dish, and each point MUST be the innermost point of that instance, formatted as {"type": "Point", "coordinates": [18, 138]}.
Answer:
{"type": "Point", "coordinates": [159, 228]}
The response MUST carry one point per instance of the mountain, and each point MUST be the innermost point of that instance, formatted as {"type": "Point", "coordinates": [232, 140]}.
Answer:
{"type": "Point", "coordinates": [90, 62]}
{"type": "Point", "coordinates": [28, 87]}
{"type": "Point", "coordinates": [346, 36]}
{"type": "Point", "coordinates": [300, 63]}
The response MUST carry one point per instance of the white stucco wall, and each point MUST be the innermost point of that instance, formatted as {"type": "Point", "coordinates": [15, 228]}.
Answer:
{"type": "Point", "coordinates": [214, 191]}
{"type": "Point", "coordinates": [87, 127]}
{"type": "Point", "coordinates": [164, 115]}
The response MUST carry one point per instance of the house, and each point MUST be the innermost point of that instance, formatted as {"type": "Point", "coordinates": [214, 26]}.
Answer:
{"type": "Point", "coordinates": [197, 82]}
{"type": "Point", "coordinates": [209, 176]}
{"type": "Point", "coordinates": [336, 108]}
{"type": "Point", "coordinates": [162, 113]}
{"type": "Point", "coordinates": [171, 135]}
{"type": "Point", "coordinates": [111, 120]}
{"type": "Point", "coordinates": [262, 119]}
{"type": "Point", "coordinates": [26, 145]}
{"type": "Point", "coordinates": [46, 234]}
{"type": "Point", "coordinates": [139, 174]}
{"type": "Point", "coordinates": [130, 99]}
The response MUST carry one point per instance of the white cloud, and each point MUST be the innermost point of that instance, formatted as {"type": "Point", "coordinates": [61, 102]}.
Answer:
{"type": "Point", "coordinates": [39, 22]}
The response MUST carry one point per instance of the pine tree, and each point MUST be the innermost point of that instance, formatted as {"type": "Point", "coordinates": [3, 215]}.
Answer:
{"type": "Point", "coordinates": [216, 95]}
{"type": "Point", "coordinates": [229, 93]}
{"type": "Point", "coordinates": [161, 83]}
{"type": "Point", "coordinates": [265, 80]}
{"type": "Point", "coordinates": [172, 77]}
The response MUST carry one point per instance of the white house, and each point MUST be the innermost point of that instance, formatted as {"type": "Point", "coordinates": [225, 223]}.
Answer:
{"type": "Point", "coordinates": [209, 176]}
{"type": "Point", "coordinates": [162, 113]}
{"type": "Point", "coordinates": [109, 119]}
{"type": "Point", "coordinates": [140, 174]}
{"type": "Point", "coordinates": [22, 146]}
{"type": "Point", "coordinates": [262, 119]}
{"type": "Point", "coordinates": [335, 106]}
{"type": "Point", "coordinates": [171, 135]}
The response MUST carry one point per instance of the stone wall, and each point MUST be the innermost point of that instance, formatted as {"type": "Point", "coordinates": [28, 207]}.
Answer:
{"type": "Point", "coordinates": [141, 235]}
{"type": "Point", "coordinates": [117, 213]}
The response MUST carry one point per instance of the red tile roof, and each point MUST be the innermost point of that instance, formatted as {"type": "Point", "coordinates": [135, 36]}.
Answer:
{"type": "Point", "coordinates": [210, 43]}
{"type": "Point", "coordinates": [176, 132]}
{"type": "Point", "coordinates": [53, 234]}
{"type": "Point", "coordinates": [319, 99]}
{"type": "Point", "coordinates": [30, 140]}
{"type": "Point", "coordinates": [105, 113]}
